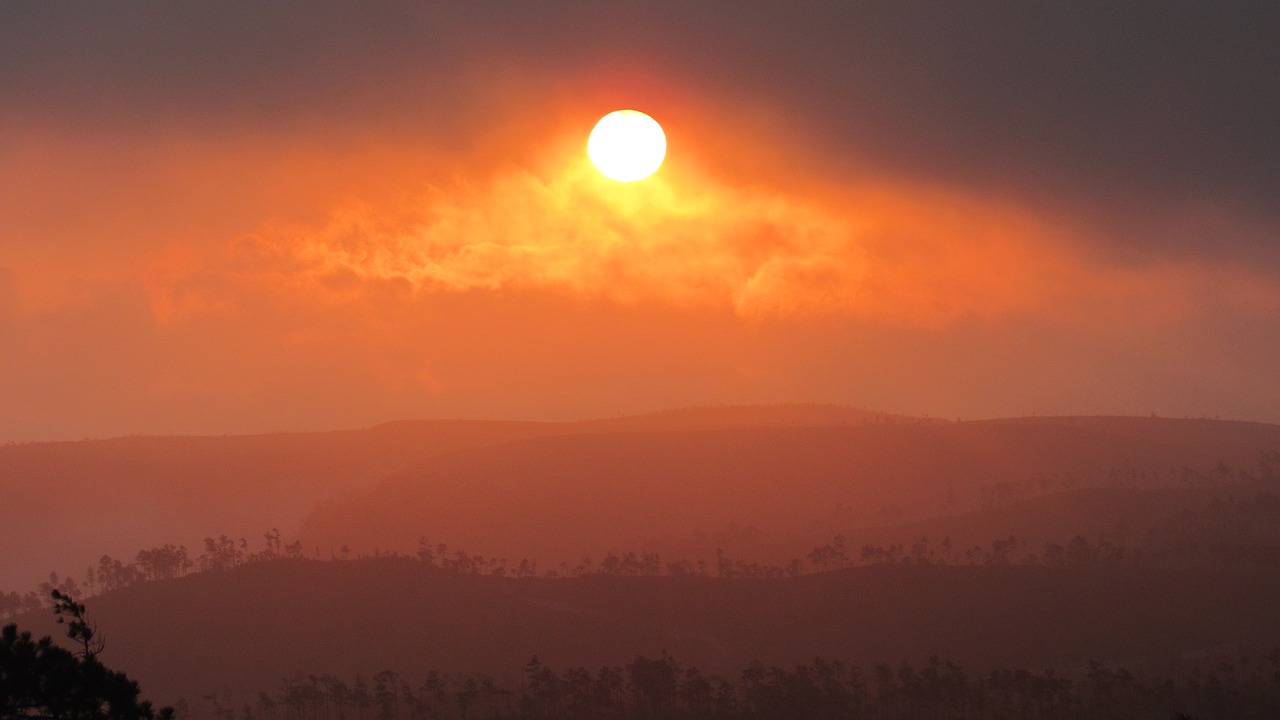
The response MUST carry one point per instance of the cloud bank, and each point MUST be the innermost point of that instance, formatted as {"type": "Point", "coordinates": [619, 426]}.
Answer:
{"type": "Point", "coordinates": [236, 217]}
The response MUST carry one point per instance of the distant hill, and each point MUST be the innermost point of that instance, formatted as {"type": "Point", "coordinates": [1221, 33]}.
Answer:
{"type": "Point", "coordinates": [1229, 438]}
{"type": "Point", "coordinates": [67, 503]}
{"type": "Point", "coordinates": [788, 471]}
{"type": "Point", "coordinates": [1122, 516]}
{"type": "Point", "coordinates": [738, 416]}
{"type": "Point", "coordinates": [559, 497]}
{"type": "Point", "coordinates": [245, 629]}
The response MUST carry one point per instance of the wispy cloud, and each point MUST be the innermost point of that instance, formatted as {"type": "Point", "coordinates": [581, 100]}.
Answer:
{"type": "Point", "coordinates": [896, 254]}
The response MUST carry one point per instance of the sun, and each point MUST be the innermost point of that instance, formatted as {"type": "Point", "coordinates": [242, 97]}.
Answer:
{"type": "Point", "coordinates": [627, 145]}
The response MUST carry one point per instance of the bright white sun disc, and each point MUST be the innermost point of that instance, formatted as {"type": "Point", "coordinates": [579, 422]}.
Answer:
{"type": "Point", "coordinates": [627, 145]}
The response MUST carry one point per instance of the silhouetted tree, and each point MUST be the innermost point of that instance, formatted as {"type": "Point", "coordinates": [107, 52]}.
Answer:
{"type": "Point", "coordinates": [724, 567]}
{"type": "Point", "coordinates": [360, 696]}
{"type": "Point", "coordinates": [71, 613]}
{"type": "Point", "coordinates": [41, 681]}
{"type": "Point", "coordinates": [653, 685]}
{"type": "Point", "coordinates": [425, 553]}
{"type": "Point", "coordinates": [266, 706]}
{"type": "Point", "coordinates": [385, 694]}
{"type": "Point", "coordinates": [162, 563]}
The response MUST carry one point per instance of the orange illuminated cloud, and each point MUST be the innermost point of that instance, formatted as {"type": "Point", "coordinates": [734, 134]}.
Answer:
{"type": "Point", "coordinates": [730, 222]}
{"type": "Point", "coordinates": [886, 252]}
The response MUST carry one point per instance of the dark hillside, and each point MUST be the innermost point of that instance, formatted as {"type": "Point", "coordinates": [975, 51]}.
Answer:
{"type": "Point", "coordinates": [242, 630]}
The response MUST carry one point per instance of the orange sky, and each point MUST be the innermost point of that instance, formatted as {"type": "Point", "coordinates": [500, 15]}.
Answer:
{"type": "Point", "coordinates": [169, 272]}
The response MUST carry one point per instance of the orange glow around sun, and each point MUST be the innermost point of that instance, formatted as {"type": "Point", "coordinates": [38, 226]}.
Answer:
{"type": "Point", "coordinates": [726, 229]}
{"type": "Point", "coordinates": [419, 268]}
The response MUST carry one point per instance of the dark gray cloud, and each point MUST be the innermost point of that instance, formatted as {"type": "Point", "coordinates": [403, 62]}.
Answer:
{"type": "Point", "coordinates": [1129, 109]}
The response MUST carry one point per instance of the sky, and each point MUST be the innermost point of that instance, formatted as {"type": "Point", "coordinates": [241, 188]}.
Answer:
{"type": "Point", "coordinates": [240, 217]}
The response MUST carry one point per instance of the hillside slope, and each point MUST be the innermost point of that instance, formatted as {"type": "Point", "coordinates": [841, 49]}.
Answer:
{"type": "Point", "coordinates": [559, 497]}
{"type": "Point", "coordinates": [659, 481]}
{"type": "Point", "coordinates": [68, 503]}
{"type": "Point", "coordinates": [243, 630]}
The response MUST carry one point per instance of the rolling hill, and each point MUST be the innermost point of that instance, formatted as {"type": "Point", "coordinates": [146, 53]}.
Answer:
{"type": "Point", "coordinates": [768, 480]}
{"type": "Point", "coordinates": [771, 490]}
{"type": "Point", "coordinates": [68, 503]}
{"type": "Point", "coordinates": [239, 631]}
